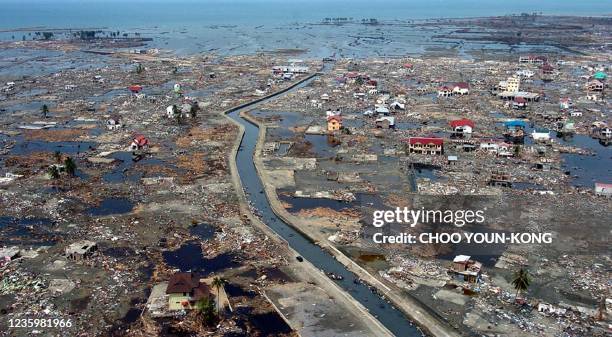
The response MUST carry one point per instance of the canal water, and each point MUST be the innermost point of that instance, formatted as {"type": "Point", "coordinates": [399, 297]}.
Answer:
{"type": "Point", "coordinates": [390, 317]}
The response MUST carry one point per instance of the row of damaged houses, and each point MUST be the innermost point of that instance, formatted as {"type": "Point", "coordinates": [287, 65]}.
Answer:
{"type": "Point", "coordinates": [435, 146]}
{"type": "Point", "coordinates": [459, 129]}
{"type": "Point", "coordinates": [459, 88]}
{"type": "Point", "coordinates": [462, 129]}
{"type": "Point", "coordinates": [287, 72]}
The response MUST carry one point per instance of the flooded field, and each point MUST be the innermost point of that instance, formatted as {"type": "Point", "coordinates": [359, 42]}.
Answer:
{"type": "Point", "coordinates": [588, 169]}
{"type": "Point", "coordinates": [27, 231]}
{"type": "Point", "coordinates": [189, 257]}
{"type": "Point", "coordinates": [111, 206]}
{"type": "Point", "coordinates": [27, 147]}
{"type": "Point", "coordinates": [203, 231]}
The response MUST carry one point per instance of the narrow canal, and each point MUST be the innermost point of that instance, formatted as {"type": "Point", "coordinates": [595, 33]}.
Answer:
{"type": "Point", "coordinates": [389, 316]}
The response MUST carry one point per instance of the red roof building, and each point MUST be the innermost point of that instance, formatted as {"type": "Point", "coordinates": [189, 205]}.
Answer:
{"type": "Point", "coordinates": [135, 88]}
{"type": "Point", "coordinates": [334, 123]}
{"type": "Point", "coordinates": [519, 103]}
{"type": "Point", "coordinates": [444, 91]}
{"type": "Point", "coordinates": [426, 145]}
{"type": "Point", "coordinates": [461, 88]}
{"type": "Point", "coordinates": [426, 140]}
{"type": "Point", "coordinates": [547, 69]}
{"type": "Point", "coordinates": [182, 283]}
{"type": "Point", "coordinates": [533, 59]}
{"type": "Point", "coordinates": [462, 122]}
{"type": "Point", "coordinates": [520, 100]}
{"type": "Point", "coordinates": [185, 289]}
{"type": "Point", "coordinates": [141, 140]}
{"type": "Point", "coordinates": [462, 85]}
{"type": "Point", "coordinates": [138, 142]}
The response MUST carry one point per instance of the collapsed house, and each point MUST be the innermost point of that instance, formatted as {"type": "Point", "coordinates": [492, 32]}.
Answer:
{"type": "Point", "coordinates": [139, 142]}
{"type": "Point", "coordinates": [466, 270]}
{"type": "Point", "coordinates": [8, 254]}
{"type": "Point", "coordinates": [81, 250]}
{"type": "Point", "coordinates": [385, 122]}
{"type": "Point", "coordinates": [113, 123]}
{"type": "Point", "coordinates": [603, 189]}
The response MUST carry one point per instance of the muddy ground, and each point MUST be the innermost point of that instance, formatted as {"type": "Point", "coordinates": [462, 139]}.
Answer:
{"type": "Point", "coordinates": [167, 207]}
{"type": "Point", "coordinates": [373, 165]}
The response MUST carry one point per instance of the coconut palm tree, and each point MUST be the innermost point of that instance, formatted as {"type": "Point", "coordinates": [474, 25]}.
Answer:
{"type": "Point", "coordinates": [206, 310]}
{"type": "Point", "coordinates": [70, 166]}
{"type": "Point", "coordinates": [139, 68]}
{"type": "Point", "coordinates": [218, 283]}
{"type": "Point", "coordinates": [517, 150]}
{"type": "Point", "coordinates": [521, 281]}
{"type": "Point", "coordinates": [601, 309]}
{"type": "Point", "coordinates": [193, 111]}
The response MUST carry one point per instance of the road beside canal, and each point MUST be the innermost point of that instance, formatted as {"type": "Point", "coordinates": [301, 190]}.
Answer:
{"type": "Point", "coordinates": [248, 186]}
{"type": "Point", "coordinates": [275, 218]}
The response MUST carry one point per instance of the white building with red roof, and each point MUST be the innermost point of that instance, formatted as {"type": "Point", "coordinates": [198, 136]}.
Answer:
{"type": "Point", "coordinates": [426, 145]}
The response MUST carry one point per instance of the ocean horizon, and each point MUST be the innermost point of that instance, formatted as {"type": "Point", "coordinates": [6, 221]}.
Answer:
{"type": "Point", "coordinates": [142, 14]}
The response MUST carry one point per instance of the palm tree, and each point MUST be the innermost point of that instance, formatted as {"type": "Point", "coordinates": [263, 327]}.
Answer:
{"type": "Point", "coordinates": [601, 309]}
{"type": "Point", "coordinates": [139, 68]}
{"type": "Point", "coordinates": [70, 166]}
{"type": "Point", "coordinates": [218, 283]}
{"type": "Point", "coordinates": [206, 309]}
{"type": "Point", "coordinates": [193, 111]}
{"type": "Point", "coordinates": [45, 110]}
{"type": "Point", "coordinates": [53, 172]}
{"type": "Point", "coordinates": [521, 281]}
{"type": "Point", "coordinates": [517, 150]}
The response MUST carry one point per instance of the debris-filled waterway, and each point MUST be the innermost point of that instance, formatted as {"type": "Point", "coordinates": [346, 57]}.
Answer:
{"type": "Point", "coordinates": [388, 315]}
